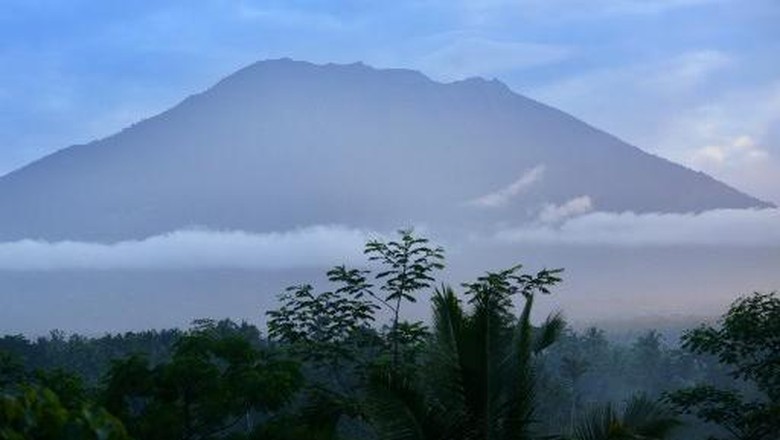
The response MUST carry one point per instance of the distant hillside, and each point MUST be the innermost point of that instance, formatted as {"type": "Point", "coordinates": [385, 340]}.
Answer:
{"type": "Point", "coordinates": [282, 144]}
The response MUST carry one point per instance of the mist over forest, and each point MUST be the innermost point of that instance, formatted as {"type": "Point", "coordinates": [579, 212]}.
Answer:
{"type": "Point", "coordinates": [348, 362]}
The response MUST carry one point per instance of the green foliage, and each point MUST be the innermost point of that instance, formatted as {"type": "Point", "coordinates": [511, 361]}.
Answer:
{"type": "Point", "coordinates": [11, 370]}
{"type": "Point", "coordinates": [573, 367]}
{"type": "Point", "coordinates": [332, 332]}
{"type": "Point", "coordinates": [647, 355]}
{"type": "Point", "coordinates": [407, 267]}
{"type": "Point", "coordinates": [317, 326]}
{"type": "Point", "coordinates": [477, 381]}
{"type": "Point", "coordinates": [320, 325]}
{"type": "Point", "coordinates": [212, 382]}
{"type": "Point", "coordinates": [642, 419]}
{"type": "Point", "coordinates": [407, 264]}
{"type": "Point", "coordinates": [748, 342]}
{"type": "Point", "coordinates": [90, 358]}
{"type": "Point", "coordinates": [70, 387]}
{"type": "Point", "coordinates": [37, 413]}
{"type": "Point", "coordinates": [411, 338]}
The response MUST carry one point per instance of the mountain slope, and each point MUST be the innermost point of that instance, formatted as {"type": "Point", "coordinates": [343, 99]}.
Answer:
{"type": "Point", "coordinates": [282, 144]}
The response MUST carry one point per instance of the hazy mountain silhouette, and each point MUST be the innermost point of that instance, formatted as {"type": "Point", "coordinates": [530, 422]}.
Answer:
{"type": "Point", "coordinates": [281, 144]}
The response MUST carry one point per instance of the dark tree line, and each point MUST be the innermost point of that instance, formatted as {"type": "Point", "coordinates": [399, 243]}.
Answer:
{"type": "Point", "coordinates": [330, 367]}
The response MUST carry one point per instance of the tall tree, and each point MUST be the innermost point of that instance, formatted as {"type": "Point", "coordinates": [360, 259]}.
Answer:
{"type": "Point", "coordinates": [213, 382]}
{"type": "Point", "coordinates": [478, 378]}
{"type": "Point", "coordinates": [34, 412]}
{"type": "Point", "coordinates": [407, 267]}
{"type": "Point", "coordinates": [748, 342]}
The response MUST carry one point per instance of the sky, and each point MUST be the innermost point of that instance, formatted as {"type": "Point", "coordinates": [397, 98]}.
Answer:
{"type": "Point", "coordinates": [695, 81]}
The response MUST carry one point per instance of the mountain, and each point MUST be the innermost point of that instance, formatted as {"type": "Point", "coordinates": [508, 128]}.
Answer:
{"type": "Point", "coordinates": [282, 144]}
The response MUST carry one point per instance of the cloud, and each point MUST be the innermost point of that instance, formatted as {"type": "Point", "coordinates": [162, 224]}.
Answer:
{"type": "Point", "coordinates": [693, 108]}
{"type": "Point", "coordinates": [733, 137]}
{"type": "Point", "coordinates": [756, 228]}
{"type": "Point", "coordinates": [688, 71]}
{"type": "Point", "coordinates": [485, 12]}
{"type": "Point", "coordinates": [552, 213]}
{"type": "Point", "coordinates": [728, 118]}
{"type": "Point", "coordinates": [468, 56]}
{"type": "Point", "coordinates": [504, 195]}
{"type": "Point", "coordinates": [656, 84]}
{"type": "Point", "coordinates": [316, 246]}
{"type": "Point", "coordinates": [740, 150]}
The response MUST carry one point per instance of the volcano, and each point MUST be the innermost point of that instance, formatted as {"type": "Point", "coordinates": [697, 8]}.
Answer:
{"type": "Point", "coordinates": [283, 144]}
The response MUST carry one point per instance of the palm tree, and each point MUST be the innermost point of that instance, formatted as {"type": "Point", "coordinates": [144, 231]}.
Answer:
{"type": "Point", "coordinates": [642, 419]}
{"type": "Point", "coordinates": [477, 379]}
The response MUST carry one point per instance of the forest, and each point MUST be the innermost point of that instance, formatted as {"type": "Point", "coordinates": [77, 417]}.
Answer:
{"type": "Point", "coordinates": [344, 363]}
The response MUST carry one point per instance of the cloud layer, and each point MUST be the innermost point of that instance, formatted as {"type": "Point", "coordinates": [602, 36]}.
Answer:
{"type": "Point", "coordinates": [317, 246]}
{"type": "Point", "coordinates": [552, 213]}
{"type": "Point", "coordinates": [719, 227]}
{"type": "Point", "coordinates": [323, 246]}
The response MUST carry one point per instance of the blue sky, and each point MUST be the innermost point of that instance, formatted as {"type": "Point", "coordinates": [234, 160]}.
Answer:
{"type": "Point", "coordinates": [696, 81]}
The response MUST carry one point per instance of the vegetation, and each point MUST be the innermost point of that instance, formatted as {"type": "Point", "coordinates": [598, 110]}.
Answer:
{"type": "Point", "coordinates": [31, 412]}
{"type": "Point", "coordinates": [476, 381]}
{"type": "Point", "coordinates": [487, 368]}
{"type": "Point", "coordinates": [748, 342]}
{"type": "Point", "coordinates": [214, 380]}
{"type": "Point", "coordinates": [642, 418]}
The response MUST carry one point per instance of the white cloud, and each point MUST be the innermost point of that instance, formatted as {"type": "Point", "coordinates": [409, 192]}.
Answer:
{"type": "Point", "coordinates": [552, 213]}
{"type": "Point", "coordinates": [718, 227]}
{"type": "Point", "coordinates": [689, 109]}
{"type": "Point", "coordinates": [746, 112]}
{"type": "Point", "coordinates": [501, 197]}
{"type": "Point", "coordinates": [316, 246]}
{"type": "Point", "coordinates": [740, 150]}
{"type": "Point", "coordinates": [468, 56]}
{"type": "Point", "coordinates": [733, 137]}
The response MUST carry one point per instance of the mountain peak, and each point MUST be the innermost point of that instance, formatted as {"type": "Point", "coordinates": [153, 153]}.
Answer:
{"type": "Point", "coordinates": [285, 143]}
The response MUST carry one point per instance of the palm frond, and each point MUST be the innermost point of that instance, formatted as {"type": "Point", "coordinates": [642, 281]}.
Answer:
{"type": "Point", "coordinates": [398, 410]}
{"type": "Point", "coordinates": [649, 418]}
{"type": "Point", "coordinates": [600, 423]}
{"type": "Point", "coordinates": [549, 332]}
{"type": "Point", "coordinates": [643, 418]}
{"type": "Point", "coordinates": [446, 357]}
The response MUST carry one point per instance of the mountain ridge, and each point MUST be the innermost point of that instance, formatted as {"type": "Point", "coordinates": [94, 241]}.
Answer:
{"type": "Point", "coordinates": [317, 142]}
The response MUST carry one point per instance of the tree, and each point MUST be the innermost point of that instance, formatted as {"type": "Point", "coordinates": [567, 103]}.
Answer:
{"type": "Point", "coordinates": [214, 381]}
{"type": "Point", "coordinates": [648, 359]}
{"type": "Point", "coordinates": [408, 266]}
{"type": "Point", "coordinates": [331, 331]}
{"type": "Point", "coordinates": [642, 419]}
{"type": "Point", "coordinates": [11, 370]}
{"type": "Point", "coordinates": [320, 323]}
{"type": "Point", "coordinates": [317, 326]}
{"type": "Point", "coordinates": [573, 368]}
{"type": "Point", "coordinates": [477, 381]}
{"type": "Point", "coordinates": [33, 412]}
{"type": "Point", "coordinates": [748, 342]}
